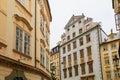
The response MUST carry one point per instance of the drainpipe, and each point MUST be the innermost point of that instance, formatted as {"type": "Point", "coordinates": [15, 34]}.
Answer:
{"type": "Point", "coordinates": [99, 49]}
{"type": "Point", "coordinates": [35, 30]}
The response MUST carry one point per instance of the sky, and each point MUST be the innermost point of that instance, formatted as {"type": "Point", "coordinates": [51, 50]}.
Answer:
{"type": "Point", "coordinates": [62, 11]}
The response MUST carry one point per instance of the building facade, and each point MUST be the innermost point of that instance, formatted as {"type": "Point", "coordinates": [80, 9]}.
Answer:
{"type": "Point", "coordinates": [116, 7]}
{"type": "Point", "coordinates": [24, 40]}
{"type": "Point", "coordinates": [79, 50]}
{"type": "Point", "coordinates": [54, 61]}
{"type": "Point", "coordinates": [109, 48]}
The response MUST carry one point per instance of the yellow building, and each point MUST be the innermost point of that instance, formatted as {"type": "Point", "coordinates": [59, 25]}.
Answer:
{"type": "Point", "coordinates": [24, 40]}
{"type": "Point", "coordinates": [54, 61]}
{"type": "Point", "coordinates": [108, 49]}
{"type": "Point", "coordinates": [116, 7]}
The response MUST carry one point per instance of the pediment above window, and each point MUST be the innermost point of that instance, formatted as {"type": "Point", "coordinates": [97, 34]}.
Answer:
{"type": "Point", "coordinates": [23, 20]}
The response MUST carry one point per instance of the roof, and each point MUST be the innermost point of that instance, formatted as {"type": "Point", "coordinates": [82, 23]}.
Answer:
{"type": "Point", "coordinates": [73, 19]}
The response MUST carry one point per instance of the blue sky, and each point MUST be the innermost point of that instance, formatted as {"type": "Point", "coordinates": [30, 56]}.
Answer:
{"type": "Point", "coordinates": [62, 10]}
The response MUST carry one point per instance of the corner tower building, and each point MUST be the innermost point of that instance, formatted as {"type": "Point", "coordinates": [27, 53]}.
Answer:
{"type": "Point", "coordinates": [79, 51]}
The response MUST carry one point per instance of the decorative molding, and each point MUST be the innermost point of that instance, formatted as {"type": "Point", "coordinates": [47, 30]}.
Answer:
{"type": "Point", "coordinates": [23, 20]}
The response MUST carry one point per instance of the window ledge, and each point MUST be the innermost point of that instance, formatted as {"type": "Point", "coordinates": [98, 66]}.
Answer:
{"type": "Point", "coordinates": [22, 54]}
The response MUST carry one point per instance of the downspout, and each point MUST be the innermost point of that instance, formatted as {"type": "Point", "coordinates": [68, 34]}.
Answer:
{"type": "Point", "coordinates": [35, 31]}
{"type": "Point", "coordinates": [99, 49]}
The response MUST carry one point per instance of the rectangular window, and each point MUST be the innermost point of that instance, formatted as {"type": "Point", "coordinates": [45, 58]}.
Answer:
{"type": "Point", "coordinates": [69, 58]}
{"type": "Point", "coordinates": [76, 70]}
{"type": "Point", "coordinates": [26, 44]}
{"type": "Point", "coordinates": [74, 34]}
{"type": "Point", "coordinates": [108, 75]}
{"type": "Point", "coordinates": [83, 69]}
{"type": "Point", "coordinates": [68, 37]}
{"type": "Point", "coordinates": [64, 60]}
{"type": "Point", "coordinates": [80, 31]}
{"type": "Point", "coordinates": [21, 1]}
{"type": "Point", "coordinates": [81, 41]}
{"type": "Point", "coordinates": [74, 45]}
{"type": "Point", "coordinates": [69, 47]}
{"type": "Point", "coordinates": [113, 46]}
{"type": "Point", "coordinates": [116, 73]}
{"type": "Point", "coordinates": [70, 71]}
{"type": "Point", "coordinates": [42, 56]}
{"type": "Point", "coordinates": [105, 48]}
{"type": "Point", "coordinates": [75, 56]}
{"type": "Point", "coordinates": [65, 73]}
{"type": "Point", "coordinates": [89, 51]}
{"type": "Point", "coordinates": [19, 35]}
{"type": "Point", "coordinates": [107, 62]}
{"type": "Point", "coordinates": [81, 53]}
{"type": "Point", "coordinates": [88, 38]}
{"type": "Point", "coordinates": [90, 66]}
{"type": "Point", "coordinates": [64, 50]}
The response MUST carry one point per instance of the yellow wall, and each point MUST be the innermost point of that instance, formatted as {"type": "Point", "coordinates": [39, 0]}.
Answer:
{"type": "Point", "coordinates": [12, 14]}
{"type": "Point", "coordinates": [110, 54]}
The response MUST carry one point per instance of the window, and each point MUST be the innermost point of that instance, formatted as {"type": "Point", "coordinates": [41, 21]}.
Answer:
{"type": "Point", "coordinates": [74, 45]}
{"type": "Point", "coordinates": [76, 70]}
{"type": "Point", "coordinates": [65, 73]}
{"type": "Point", "coordinates": [64, 60]}
{"type": "Point", "coordinates": [21, 1]}
{"type": "Point", "coordinates": [68, 37]}
{"type": "Point", "coordinates": [113, 45]}
{"type": "Point", "coordinates": [81, 53]}
{"type": "Point", "coordinates": [90, 66]}
{"type": "Point", "coordinates": [80, 31]}
{"type": "Point", "coordinates": [68, 29]}
{"type": "Point", "coordinates": [41, 25]}
{"type": "Point", "coordinates": [42, 56]}
{"type": "Point", "coordinates": [74, 34]}
{"type": "Point", "coordinates": [26, 44]}
{"type": "Point", "coordinates": [116, 73]}
{"type": "Point", "coordinates": [108, 75]}
{"type": "Point", "coordinates": [81, 41]}
{"type": "Point", "coordinates": [22, 41]}
{"type": "Point", "coordinates": [69, 58]}
{"type": "Point", "coordinates": [73, 26]}
{"type": "Point", "coordinates": [107, 60]}
{"type": "Point", "coordinates": [19, 35]}
{"type": "Point", "coordinates": [88, 38]}
{"type": "Point", "coordinates": [64, 50]}
{"type": "Point", "coordinates": [70, 71]}
{"type": "Point", "coordinates": [89, 51]}
{"type": "Point", "coordinates": [75, 56]}
{"type": "Point", "coordinates": [105, 48]}
{"type": "Point", "coordinates": [69, 47]}
{"type": "Point", "coordinates": [83, 69]}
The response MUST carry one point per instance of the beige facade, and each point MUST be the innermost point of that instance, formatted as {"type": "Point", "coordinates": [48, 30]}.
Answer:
{"type": "Point", "coordinates": [24, 39]}
{"type": "Point", "coordinates": [54, 61]}
{"type": "Point", "coordinates": [109, 48]}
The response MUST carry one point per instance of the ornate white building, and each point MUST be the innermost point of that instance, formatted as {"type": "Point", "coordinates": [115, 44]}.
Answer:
{"type": "Point", "coordinates": [79, 51]}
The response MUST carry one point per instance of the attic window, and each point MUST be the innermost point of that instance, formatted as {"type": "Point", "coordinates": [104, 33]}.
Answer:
{"type": "Point", "coordinates": [79, 21]}
{"type": "Point", "coordinates": [73, 26]}
{"type": "Point", "coordinates": [68, 29]}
